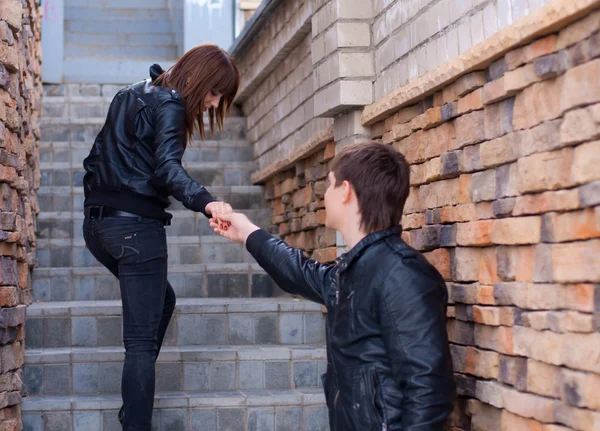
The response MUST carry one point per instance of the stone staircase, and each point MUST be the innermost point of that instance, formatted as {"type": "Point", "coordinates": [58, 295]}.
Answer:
{"type": "Point", "coordinates": [239, 354]}
{"type": "Point", "coordinates": [113, 41]}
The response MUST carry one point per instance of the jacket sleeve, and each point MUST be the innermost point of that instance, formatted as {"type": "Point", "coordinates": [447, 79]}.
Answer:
{"type": "Point", "coordinates": [169, 146]}
{"type": "Point", "coordinates": [89, 163]}
{"type": "Point", "coordinates": [414, 331]}
{"type": "Point", "coordinates": [291, 270]}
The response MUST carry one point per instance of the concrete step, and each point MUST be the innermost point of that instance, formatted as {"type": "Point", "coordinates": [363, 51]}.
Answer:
{"type": "Point", "coordinates": [80, 122]}
{"type": "Point", "coordinates": [234, 280]}
{"type": "Point", "coordinates": [111, 70]}
{"type": "Point", "coordinates": [99, 4]}
{"type": "Point", "coordinates": [199, 249]}
{"type": "Point", "coordinates": [209, 174]}
{"type": "Point", "coordinates": [129, 39]}
{"type": "Point", "coordinates": [119, 26]}
{"type": "Point", "coordinates": [285, 410]}
{"type": "Point", "coordinates": [107, 13]}
{"type": "Point", "coordinates": [196, 322]}
{"type": "Point", "coordinates": [74, 48]}
{"type": "Point", "coordinates": [89, 371]}
{"type": "Point", "coordinates": [67, 199]}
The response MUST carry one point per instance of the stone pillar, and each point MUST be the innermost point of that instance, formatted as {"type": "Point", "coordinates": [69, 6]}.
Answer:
{"type": "Point", "coordinates": [343, 67]}
{"type": "Point", "coordinates": [20, 94]}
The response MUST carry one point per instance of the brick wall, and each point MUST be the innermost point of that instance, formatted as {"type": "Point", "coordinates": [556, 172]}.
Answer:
{"type": "Point", "coordinates": [505, 201]}
{"type": "Point", "coordinates": [296, 196]}
{"type": "Point", "coordinates": [20, 94]}
{"type": "Point", "coordinates": [413, 38]}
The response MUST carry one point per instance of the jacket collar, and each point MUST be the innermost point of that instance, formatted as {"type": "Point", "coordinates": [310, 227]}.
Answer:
{"type": "Point", "coordinates": [155, 71]}
{"type": "Point", "coordinates": [346, 259]}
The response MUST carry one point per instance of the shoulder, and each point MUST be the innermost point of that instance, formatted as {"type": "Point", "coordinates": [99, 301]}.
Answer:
{"type": "Point", "coordinates": [409, 271]}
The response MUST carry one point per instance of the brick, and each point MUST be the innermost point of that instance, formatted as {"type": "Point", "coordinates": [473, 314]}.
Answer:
{"type": "Point", "coordinates": [399, 131]}
{"type": "Point", "coordinates": [9, 56]}
{"type": "Point", "coordinates": [500, 151]}
{"type": "Point", "coordinates": [530, 406]}
{"type": "Point", "coordinates": [451, 164]}
{"type": "Point", "coordinates": [581, 351]}
{"type": "Point", "coordinates": [542, 138]}
{"type": "Point", "coordinates": [446, 192]}
{"type": "Point", "coordinates": [528, 53]}
{"type": "Point", "coordinates": [580, 86]}
{"type": "Point", "coordinates": [476, 233]}
{"type": "Point", "coordinates": [493, 316]}
{"type": "Point", "coordinates": [325, 255]}
{"type": "Point", "coordinates": [430, 118]}
{"type": "Point", "coordinates": [545, 171]}
{"type": "Point", "coordinates": [461, 332]}
{"type": "Point", "coordinates": [469, 129]}
{"type": "Point", "coordinates": [302, 197]}
{"type": "Point", "coordinates": [496, 338]}
{"type": "Point", "coordinates": [576, 262]}
{"type": "Point", "coordinates": [578, 31]}
{"type": "Point", "coordinates": [544, 346]}
{"type": "Point", "coordinates": [471, 102]}
{"type": "Point", "coordinates": [329, 152]}
{"type": "Point", "coordinates": [440, 258]}
{"type": "Point", "coordinates": [580, 125]}
{"type": "Point", "coordinates": [413, 203]}
{"type": "Point", "coordinates": [589, 194]}
{"type": "Point", "coordinates": [494, 92]}
{"type": "Point", "coordinates": [543, 379]}
{"type": "Point", "coordinates": [513, 371]}
{"type": "Point", "coordinates": [483, 416]}
{"type": "Point", "coordinates": [561, 200]}
{"type": "Point", "coordinates": [571, 226]}
{"type": "Point", "coordinates": [516, 263]}
{"type": "Point", "coordinates": [499, 118]}
{"type": "Point", "coordinates": [504, 207]}
{"type": "Point", "coordinates": [483, 186]}
{"type": "Point", "coordinates": [402, 116]}
{"type": "Point", "coordinates": [538, 103]}
{"type": "Point", "coordinates": [520, 78]}
{"type": "Point", "coordinates": [11, 11]}
{"type": "Point", "coordinates": [467, 83]}
{"type": "Point", "coordinates": [412, 147]}
{"type": "Point", "coordinates": [449, 111]}
{"type": "Point", "coordinates": [586, 159]}
{"type": "Point", "coordinates": [578, 419]}
{"type": "Point", "coordinates": [438, 140]}
{"type": "Point", "coordinates": [516, 231]}
{"type": "Point", "coordinates": [553, 65]}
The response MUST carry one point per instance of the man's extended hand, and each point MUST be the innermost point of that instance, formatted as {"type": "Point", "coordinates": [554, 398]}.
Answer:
{"type": "Point", "coordinates": [234, 226]}
{"type": "Point", "coordinates": [216, 209]}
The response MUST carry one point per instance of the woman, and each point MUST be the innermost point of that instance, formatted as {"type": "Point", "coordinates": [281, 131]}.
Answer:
{"type": "Point", "coordinates": [132, 169]}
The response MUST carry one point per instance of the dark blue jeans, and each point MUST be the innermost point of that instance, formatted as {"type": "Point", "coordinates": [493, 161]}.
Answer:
{"type": "Point", "coordinates": [135, 251]}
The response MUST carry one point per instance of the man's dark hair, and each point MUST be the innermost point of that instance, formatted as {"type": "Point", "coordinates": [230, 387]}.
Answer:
{"type": "Point", "coordinates": [380, 177]}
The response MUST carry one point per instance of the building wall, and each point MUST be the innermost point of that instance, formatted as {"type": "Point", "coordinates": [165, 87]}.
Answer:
{"type": "Point", "coordinates": [505, 203]}
{"type": "Point", "coordinates": [495, 105]}
{"type": "Point", "coordinates": [20, 95]}
{"type": "Point", "coordinates": [412, 38]}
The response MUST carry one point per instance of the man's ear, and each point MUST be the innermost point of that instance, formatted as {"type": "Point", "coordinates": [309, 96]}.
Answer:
{"type": "Point", "coordinates": [347, 192]}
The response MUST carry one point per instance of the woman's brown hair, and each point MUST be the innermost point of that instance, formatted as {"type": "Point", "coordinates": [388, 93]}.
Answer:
{"type": "Point", "coordinates": [199, 71]}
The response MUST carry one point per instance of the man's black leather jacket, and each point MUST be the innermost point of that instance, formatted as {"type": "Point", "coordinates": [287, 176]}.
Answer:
{"type": "Point", "coordinates": [389, 365]}
{"type": "Point", "coordinates": [135, 162]}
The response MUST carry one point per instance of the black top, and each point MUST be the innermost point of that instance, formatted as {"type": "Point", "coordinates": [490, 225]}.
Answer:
{"type": "Point", "coordinates": [389, 364]}
{"type": "Point", "coordinates": [135, 162]}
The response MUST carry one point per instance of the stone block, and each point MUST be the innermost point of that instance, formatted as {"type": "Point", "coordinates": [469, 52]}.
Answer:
{"type": "Point", "coordinates": [230, 419]}
{"type": "Point", "coordinates": [305, 374]}
{"type": "Point", "coordinates": [261, 419]}
{"type": "Point", "coordinates": [315, 419]}
{"type": "Point", "coordinates": [56, 380]}
{"type": "Point", "coordinates": [277, 375]}
{"type": "Point", "coordinates": [85, 378]}
{"type": "Point", "coordinates": [87, 421]}
{"type": "Point", "coordinates": [174, 419]}
{"type": "Point", "coordinates": [196, 377]}
{"type": "Point", "coordinates": [201, 330]}
{"type": "Point", "coordinates": [57, 420]}
{"type": "Point", "coordinates": [251, 375]}
{"type": "Point", "coordinates": [288, 418]}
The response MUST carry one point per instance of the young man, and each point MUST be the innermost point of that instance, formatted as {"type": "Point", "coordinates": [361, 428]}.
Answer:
{"type": "Point", "coordinates": [389, 365]}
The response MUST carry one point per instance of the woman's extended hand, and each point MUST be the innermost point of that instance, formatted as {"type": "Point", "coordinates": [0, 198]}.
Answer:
{"type": "Point", "coordinates": [234, 226]}
{"type": "Point", "coordinates": [216, 209]}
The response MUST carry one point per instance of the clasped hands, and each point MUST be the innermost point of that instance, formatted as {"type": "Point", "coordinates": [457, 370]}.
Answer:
{"type": "Point", "coordinates": [225, 222]}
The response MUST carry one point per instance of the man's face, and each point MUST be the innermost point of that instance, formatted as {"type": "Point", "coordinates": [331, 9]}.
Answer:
{"type": "Point", "coordinates": [333, 203]}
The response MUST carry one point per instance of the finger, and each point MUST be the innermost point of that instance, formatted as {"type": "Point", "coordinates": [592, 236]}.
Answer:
{"type": "Point", "coordinates": [228, 209]}
{"type": "Point", "coordinates": [226, 217]}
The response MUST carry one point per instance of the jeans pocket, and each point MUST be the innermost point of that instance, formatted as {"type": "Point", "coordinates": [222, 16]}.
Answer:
{"type": "Point", "coordinates": [124, 248]}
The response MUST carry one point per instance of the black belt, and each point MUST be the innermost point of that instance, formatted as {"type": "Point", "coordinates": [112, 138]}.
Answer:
{"type": "Point", "coordinates": [103, 211]}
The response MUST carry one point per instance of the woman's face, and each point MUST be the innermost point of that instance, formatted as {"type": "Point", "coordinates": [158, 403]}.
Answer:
{"type": "Point", "coordinates": [212, 100]}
